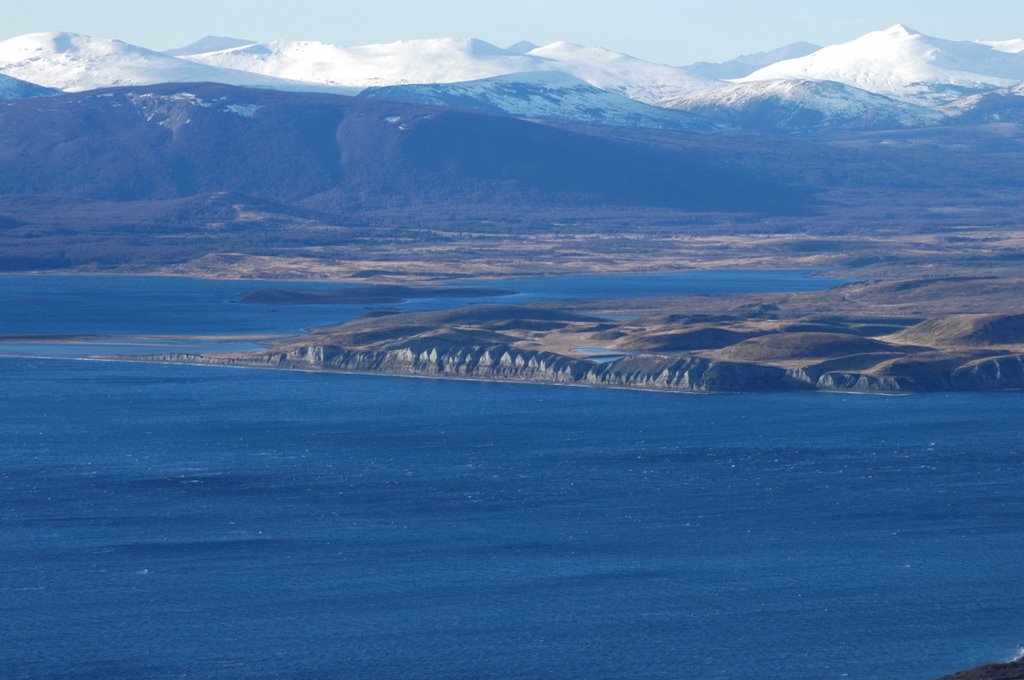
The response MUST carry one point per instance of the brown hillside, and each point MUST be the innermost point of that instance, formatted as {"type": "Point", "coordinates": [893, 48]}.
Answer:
{"type": "Point", "coordinates": [958, 330]}
{"type": "Point", "coordinates": [795, 346]}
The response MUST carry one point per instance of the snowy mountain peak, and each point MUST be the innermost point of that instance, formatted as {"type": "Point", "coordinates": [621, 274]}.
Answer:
{"type": "Point", "coordinates": [482, 47]}
{"type": "Point", "coordinates": [522, 47]}
{"type": "Point", "coordinates": [745, 64]}
{"type": "Point", "coordinates": [431, 60]}
{"type": "Point", "coordinates": [561, 48]}
{"type": "Point", "coordinates": [618, 72]}
{"type": "Point", "coordinates": [1013, 46]}
{"type": "Point", "coordinates": [210, 43]}
{"type": "Point", "coordinates": [452, 60]}
{"type": "Point", "coordinates": [74, 62]}
{"type": "Point", "coordinates": [906, 64]}
{"type": "Point", "coordinates": [901, 31]}
{"type": "Point", "coordinates": [59, 42]}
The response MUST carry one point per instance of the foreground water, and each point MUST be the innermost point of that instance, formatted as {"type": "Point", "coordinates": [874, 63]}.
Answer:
{"type": "Point", "coordinates": [175, 521]}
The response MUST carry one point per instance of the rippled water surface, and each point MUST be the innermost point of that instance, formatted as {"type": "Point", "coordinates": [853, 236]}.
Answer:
{"type": "Point", "coordinates": [172, 521]}
{"type": "Point", "coordinates": [175, 521]}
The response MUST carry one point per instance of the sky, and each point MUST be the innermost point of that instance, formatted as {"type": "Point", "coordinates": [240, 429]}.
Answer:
{"type": "Point", "coordinates": [668, 31]}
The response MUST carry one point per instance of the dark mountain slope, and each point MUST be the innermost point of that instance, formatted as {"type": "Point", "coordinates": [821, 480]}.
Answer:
{"type": "Point", "coordinates": [134, 178]}
{"type": "Point", "coordinates": [13, 88]}
{"type": "Point", "coordinates": [343, 154]}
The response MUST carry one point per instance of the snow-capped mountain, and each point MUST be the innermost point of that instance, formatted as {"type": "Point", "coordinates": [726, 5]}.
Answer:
{"type": "Point", "coordinates": [522, 47]}
{"type": "Point", "coordinates": [902, 63]}
{"type": "Point", "coordinates": [999, 106]}
{"type": "Point", "coordinates": [746, 64]}
{"type": "Point", "coordinates": [1012, 46]}
{"type": "Point", "coordinates": [451, 60]}
{"type": "Point", "coordinates": [540, 94]}
{"type": "Point", "coordinates": [210, 43]}
{"type": "Point", "coordinates": [793, 105]}
{"type": "Point", "coordinates": [896, 77]}
{"type": "Point", "coordinates": [12, 88]}
{"type": "Point", "coordinates": [637, 79]}
{"type": "Point", "coordinates": [73, 62]}
{"type": "Point", "coordinates": [441, 60]}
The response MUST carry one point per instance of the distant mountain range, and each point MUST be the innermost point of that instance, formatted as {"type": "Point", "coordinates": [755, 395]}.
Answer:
{"type": "Point", "coordinates": [165, 173]}
{"type": "Point", "coordinates": [344, 155]}
{"type": "Point", "coordinates": [895, 78]}
{"type": "Point", "coordinates": [543, 94]}
{"type": "Point", "coordinates": [746, 64]}
{"type": "Point", "coordinates": [76, 63]}
{"type": "Point", "coordinates": [794, 104]}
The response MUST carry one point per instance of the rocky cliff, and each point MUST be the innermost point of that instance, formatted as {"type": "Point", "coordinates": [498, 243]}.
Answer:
{"type": "Point", "coordinates": [1000, 671]}
{"type": "Point", "coordinates": [646, 371]}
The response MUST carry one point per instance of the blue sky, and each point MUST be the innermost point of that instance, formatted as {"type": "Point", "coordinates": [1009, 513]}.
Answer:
{"type": "Point", "coordinates": [668, 31]}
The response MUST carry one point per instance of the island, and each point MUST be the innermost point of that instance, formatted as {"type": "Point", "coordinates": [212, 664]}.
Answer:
{"type": "Point", "coordinates": [1013, 670]}
{"type": "Point", "coordinates": [917, 335]}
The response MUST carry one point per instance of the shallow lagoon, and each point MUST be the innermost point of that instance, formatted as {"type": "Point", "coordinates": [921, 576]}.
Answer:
{"type": "Point", "coordinates": [178, 310]}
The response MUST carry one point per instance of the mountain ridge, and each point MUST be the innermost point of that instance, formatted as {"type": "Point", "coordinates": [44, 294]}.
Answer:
{"type": "Point", "coordinates": [74, 62]}
{"type": "Point", "coordinates": [449, 60]}
{"type": "Point", "coordinates": [905, 64]}
{"type": "Point", "coordinates": [897, 78]}
{"type": "Point", "coordinates": [542, 94]}
{"type": "Point", "coordinates": [14, 88]}
{"type": "Point", "coordinates": [800, 105]}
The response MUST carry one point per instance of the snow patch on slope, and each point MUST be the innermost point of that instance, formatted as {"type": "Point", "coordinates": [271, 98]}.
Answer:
{"type": "Point", "coordinates": [550, 94]}
{"type": "Point", "coordinates": [802, 104]}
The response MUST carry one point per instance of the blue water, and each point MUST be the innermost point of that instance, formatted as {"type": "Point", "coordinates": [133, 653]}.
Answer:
{"type": "Point", "coordinates": [652, 285]}
{"type": "Point", "coordinates": [172, 521]}
{"type": "Point", "coordinates": [175, 521]}
{"type": "Point", "coordinates": [139, 306]}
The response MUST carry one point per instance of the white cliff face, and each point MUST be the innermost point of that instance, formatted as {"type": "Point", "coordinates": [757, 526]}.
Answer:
{"type": "Point", "coordinates": [644, 371]}
{"type": "Point", "coordinates": [503, 363]}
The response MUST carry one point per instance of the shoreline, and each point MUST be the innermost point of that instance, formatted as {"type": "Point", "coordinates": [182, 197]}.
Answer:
{"type": "Point", "coordinates": [1001, 670]}
{"type": "Point", "coordinates": [511, 381]}
{"type": "Point", "coordinates": [674, 372]}
{"type": "Point", "coordinates": [142, 359]}
{"type": "Point", "coordinates": [811, 273]}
